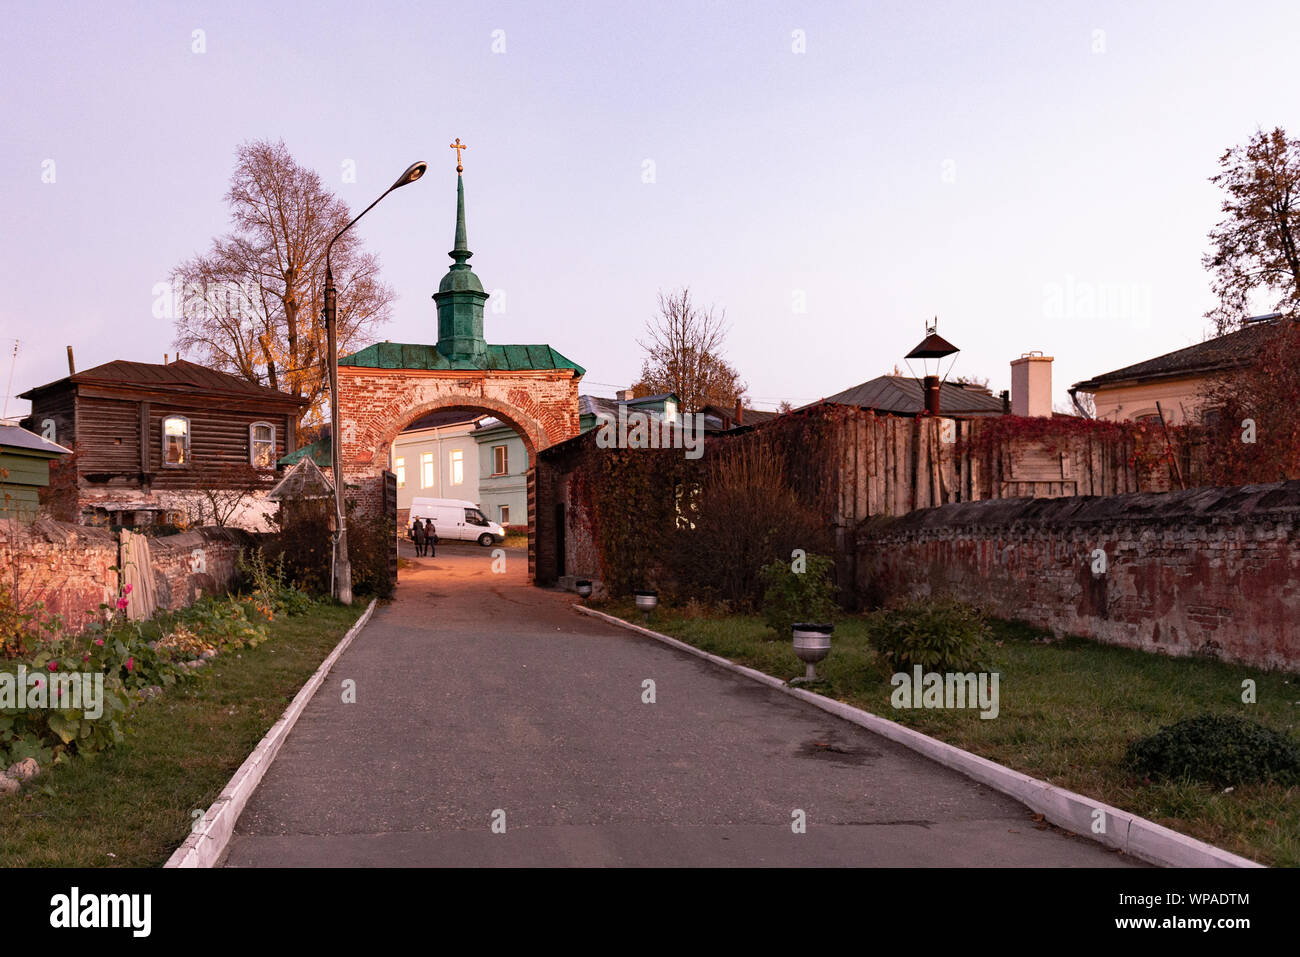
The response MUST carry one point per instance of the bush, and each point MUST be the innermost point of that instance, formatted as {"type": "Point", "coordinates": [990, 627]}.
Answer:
{"type": "Point", "coordinates": [791, 596]}
{"type": "Point", "coordinates": [1222, 750]}
{"type": "Point", "coordinates": [942, 635]}
{"type": "Point", "coordinates": [370, 550]}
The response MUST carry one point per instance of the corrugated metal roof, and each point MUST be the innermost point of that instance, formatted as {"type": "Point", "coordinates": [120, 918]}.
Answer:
{"type": "Point", "coordinates": [904, 395]}
{"type": "Point", "coordinates": [1214, 355]}
{"type": "Point", "coordinates": [321, 453]}
{"type": "Point", "coordinates": [510, 358]}
{"type": "Point", "coordinates": [16, 437]}
{"type": "Point", "coordinates": [179, 375]}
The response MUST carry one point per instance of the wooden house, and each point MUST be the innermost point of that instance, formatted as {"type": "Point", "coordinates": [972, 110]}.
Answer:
{"type": "Point", "coordinates": [148, 438]}
{"type": "Point", "coordinates": [24, 470]}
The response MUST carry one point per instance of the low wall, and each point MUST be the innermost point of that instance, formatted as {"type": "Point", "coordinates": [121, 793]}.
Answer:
{"type": "Point", "coordinates": [1212, 570]}
{"type": "Point", "coordinates": [71, 569]}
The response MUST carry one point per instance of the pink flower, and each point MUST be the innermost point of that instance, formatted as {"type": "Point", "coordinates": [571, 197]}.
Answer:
{"type": "Point", "coordinates": [126, 590]}
{"type": "Point", "coordinates": [53, 666]}
{"type": "Point", "coordinates": [38, 683]}
{"type": "Point", "coordinates": [99, 641]}
{"type": "Point", "coordinates": [130, 663]}
{"type": "Point", "coordinates": [121, 604]}
{"type": "Point", "coordinates": [85, 657]}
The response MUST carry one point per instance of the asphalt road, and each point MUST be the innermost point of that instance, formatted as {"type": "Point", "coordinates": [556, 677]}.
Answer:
{"type": "Point", "coordinates": [480, 699]}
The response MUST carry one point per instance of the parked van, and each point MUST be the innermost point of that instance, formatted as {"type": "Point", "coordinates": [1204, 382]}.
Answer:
{"type": "Point", "coordinates": [455, 519]}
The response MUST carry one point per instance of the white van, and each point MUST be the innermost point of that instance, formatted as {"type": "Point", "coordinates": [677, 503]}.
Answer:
{"type": "Point", "coordinates": [455, 519]}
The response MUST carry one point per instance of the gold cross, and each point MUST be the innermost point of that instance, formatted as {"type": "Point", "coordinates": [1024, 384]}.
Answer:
{"type": "Point", "coordinates": [458, 146]}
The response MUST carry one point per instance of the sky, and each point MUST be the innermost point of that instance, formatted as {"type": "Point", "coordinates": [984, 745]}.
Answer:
{"type": "Point", "coordinates": [832, 175]}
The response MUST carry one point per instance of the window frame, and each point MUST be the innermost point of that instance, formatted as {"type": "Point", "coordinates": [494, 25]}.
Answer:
{"type": "Point", "coordinates": [456, 457]}
{"type": "Point", "coordinates": [254, 442]}
{"type": "Point", "coordinates": [505, 460]}
{"type": "Point", "coordinates": [399, 469]}
{"type": "Point", "coordinates": [162, 431]}
{"type": "Point", "coordinates": [428, 461]}
{"type": "Point", "coordinates": [503, 515]}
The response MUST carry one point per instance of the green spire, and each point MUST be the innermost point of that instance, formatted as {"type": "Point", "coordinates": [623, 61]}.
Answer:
{"type": "Point", "coordinates": [460, 297]}
{"type": "Point", "coordinates": [461, 252]}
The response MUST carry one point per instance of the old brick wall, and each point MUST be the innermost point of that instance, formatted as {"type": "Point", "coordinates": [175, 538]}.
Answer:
{"type": "Point", "coordinates": [71, 568]}
{"type": "Point", "coordinates": [1212, 570]}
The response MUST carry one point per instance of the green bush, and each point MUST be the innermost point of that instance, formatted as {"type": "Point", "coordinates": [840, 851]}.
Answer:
{"type": "Point", "coordinates": [942, 635]}
{"type": "Point", "coordinates": [1218, 749]}
{"type": "Point", "coordinates": [790, 596]}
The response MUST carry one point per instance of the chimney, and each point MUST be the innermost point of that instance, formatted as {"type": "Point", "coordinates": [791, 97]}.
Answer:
{"type": "Point", "coordinates": [625, 395]}
{"type": "Point", "coordinates": [740, 413]}
{"type": "Point", "coordinates": [72, 366]}
{"type": "Point", "coordinates": [931, 385]}
{"type": "Point", "coordinates": [1005, 396]}
{"type": "Point", "coordinates": [1031, 385]}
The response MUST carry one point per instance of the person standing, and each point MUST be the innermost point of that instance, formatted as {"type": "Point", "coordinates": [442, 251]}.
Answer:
{"type": "Point", "coordinates": [430, 536]}
{"type": "Point", "coordinates": [417, 533]}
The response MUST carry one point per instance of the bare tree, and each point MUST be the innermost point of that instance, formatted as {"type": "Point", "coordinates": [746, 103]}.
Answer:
{"type": "Point", "coordinates": [252, 304]}
{"type": "Point", "coordinates": [224, 492]}
{"type": "Point", "coordinates": [683, 354]}
{"type": "Point", "coordinates": [1256, 247]}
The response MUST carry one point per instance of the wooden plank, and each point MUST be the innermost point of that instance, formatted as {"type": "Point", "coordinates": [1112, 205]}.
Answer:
{"type": "Point", "coordinates": [144, 437]}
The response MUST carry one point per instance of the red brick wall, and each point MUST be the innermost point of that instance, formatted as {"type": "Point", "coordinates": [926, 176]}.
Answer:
{"type": "Point", "coordinates": [70, 568]}
{"type": "Point", "coordinates": [1207, 570]}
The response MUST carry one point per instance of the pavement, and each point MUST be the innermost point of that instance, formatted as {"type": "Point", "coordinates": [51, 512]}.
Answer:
{"type": "Point", "coordinates": [493, 726]}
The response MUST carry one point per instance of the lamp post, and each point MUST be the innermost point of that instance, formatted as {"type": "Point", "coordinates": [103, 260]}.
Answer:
{"type": "Point", "coordinates": [342, 568]}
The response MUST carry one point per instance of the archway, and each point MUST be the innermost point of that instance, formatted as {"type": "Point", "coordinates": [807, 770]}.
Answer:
{"type": "Point", "coordinates": [384, 387]}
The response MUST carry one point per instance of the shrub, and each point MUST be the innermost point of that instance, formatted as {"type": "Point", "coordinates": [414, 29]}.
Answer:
{"type": "Point", "coordinates": [743, 513]}
{"type": "Point", "coordinates": [939, 635]}
{"type": "Point", "coordinates": [1216, 749]}
{"type": "Point", "coordinates": [370, 550]}
{"type": "Point", "coordinates": [791, 596]}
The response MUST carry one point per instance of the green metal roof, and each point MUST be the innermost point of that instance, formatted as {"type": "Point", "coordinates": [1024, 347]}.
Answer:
{"type": "Point", "coordinates": [320, 452]}
{"type": "Point", "coordinates": [400, 355]}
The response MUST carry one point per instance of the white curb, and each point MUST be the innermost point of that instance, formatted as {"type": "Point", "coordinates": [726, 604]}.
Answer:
{"type": "Point", "coordinates": [204, 847]}
{"type": "Point", "coordinates": [1127, 832]}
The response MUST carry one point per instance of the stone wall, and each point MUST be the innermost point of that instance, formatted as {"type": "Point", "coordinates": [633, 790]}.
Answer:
{"type": "Point", "coordinates": [1212, 570]}
{"type": "Point", "coordinates": [71, 569]}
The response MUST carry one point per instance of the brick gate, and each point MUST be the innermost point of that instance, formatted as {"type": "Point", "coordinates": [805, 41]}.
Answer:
{"type": "Point", "coordinates": [386, 386]}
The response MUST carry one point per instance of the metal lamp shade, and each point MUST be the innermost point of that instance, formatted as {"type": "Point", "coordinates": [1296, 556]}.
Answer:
{"type": "Point", "coordinates": [583, 588]}
{"type": "Point", "coordinates": [647, 601]}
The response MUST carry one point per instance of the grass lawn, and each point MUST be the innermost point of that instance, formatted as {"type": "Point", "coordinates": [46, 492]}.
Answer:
{"type": "Point", "coordinates": [1069, 709]}
{"type": "Point", "coordinates": [134, 805]}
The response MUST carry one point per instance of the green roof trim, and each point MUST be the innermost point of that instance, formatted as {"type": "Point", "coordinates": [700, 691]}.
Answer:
{"type": "Point", "coordinates": [321, 453]}
{"type": "Point", "coordinates": [400, 355]}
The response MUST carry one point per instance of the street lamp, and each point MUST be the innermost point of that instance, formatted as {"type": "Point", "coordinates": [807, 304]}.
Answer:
{"type": "Point", "coordinates": [342, 568]}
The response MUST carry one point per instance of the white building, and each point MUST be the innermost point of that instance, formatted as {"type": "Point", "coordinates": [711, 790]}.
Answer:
{"type": "Point", "coordinates": [436, 457]}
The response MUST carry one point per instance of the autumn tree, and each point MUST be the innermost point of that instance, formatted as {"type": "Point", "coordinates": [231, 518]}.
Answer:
{"type": "Point", "coordinates": [1251, 432]}
{"type": "Point", "coordinates": [1254, 248]}
{"type": "Point", "coordinates": [251, 305]}
{"type": "Point", "coordinates": [683, 354]}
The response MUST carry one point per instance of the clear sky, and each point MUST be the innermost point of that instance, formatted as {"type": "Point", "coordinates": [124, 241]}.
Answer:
{"type": "Point", "coordinates": [1033, 173]}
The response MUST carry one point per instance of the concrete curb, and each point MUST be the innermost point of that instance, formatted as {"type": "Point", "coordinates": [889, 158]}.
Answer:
{"type": "Point", "coordinates": [1073, 812]}
{"type": "Point", "coordinates": [204, 847]}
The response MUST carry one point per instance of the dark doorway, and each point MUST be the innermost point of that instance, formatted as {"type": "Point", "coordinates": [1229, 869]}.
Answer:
{"type": "Point", "coordinates": [390, 520]}
{"type": "Point", "coordinates": [559, 539]}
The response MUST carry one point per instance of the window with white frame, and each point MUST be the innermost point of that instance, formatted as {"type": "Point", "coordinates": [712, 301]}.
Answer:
{"type": "Point", "coordinates": [500, 460]}
{"type": "Point", "coordinates": [426, 470]}
{"type": "Point", "coordinates": [457, 466]}
{"type": "Point", "coordinates": [399, 466]}
{"type": "Point", "coordinates": [261, 445]}
{"type": "Point", "coordinates": [504, 518]}
{"type": "Point", "coordinates": [176, 441]}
